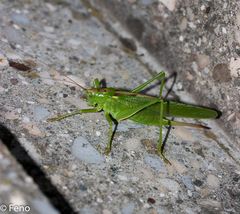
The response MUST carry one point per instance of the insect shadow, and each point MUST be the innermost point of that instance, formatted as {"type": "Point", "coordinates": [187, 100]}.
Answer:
{"type": "Point", "coordinates": [34, 171]}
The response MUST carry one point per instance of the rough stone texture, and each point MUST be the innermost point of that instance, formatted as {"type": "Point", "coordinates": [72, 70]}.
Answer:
{"type": "Point", "coordinates": [200, 40]}
{"type": "Point", "coordinates": [41, 42]}
{"type": "Point", "coordinates": [17, 190]}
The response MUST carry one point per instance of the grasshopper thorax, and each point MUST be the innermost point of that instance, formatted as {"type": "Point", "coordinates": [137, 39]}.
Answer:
{"type": "Point", "coordinates": [98, 96]}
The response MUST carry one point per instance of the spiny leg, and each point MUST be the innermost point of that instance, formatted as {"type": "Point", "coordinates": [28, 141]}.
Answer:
{"type": "Point", "coordinates": [80, 111]}
{"type": "Point", "coordinates": [110, 133]}
{"type": "Point", "coordinates": [160, 146]}
{"type": "Point", "coordinates": [159, 76]}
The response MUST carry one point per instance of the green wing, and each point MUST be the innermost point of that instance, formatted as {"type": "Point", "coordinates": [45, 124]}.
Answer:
{"type": "Point", "coordinates": [175, 109]}
{"type": "Point", "coordinates": [151, 116]}
{"type": "Point", "coordinates": [123, 107]}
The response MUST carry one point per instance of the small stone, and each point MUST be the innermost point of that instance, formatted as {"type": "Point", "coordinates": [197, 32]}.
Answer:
{"type": "Point", "coordinates": [202, 61]}
{"type": "Point", "coordinates": [198, 183]}
{"type": "Point", "coordinates": [189, 192]}
{"type": "Point", "coordinates": [224, 30]}
{"type": "Point", "coordinates": [122, 178]}
{"type": "Point", "coordinates": [33, 129]}
{"type": "Point", "coordinates": [65, 95]}
{"type": "Point", "coordinates": [178, 167]}
{"type": "Point", "coordinates": [221, 73]}
{"type": "Point", "coordinates": [209, 204]}
{"type": "Point", "coordinates": [84, 151]}
{"type": "Point", "coordinates": [14, 81]}
{"type": "Point", "coordinates": [40, 113]}
{"type": "Point", "coordinates": [170, 185]}
{"type": "Point", "coordinates": [128, 208]}
{"type": "Point", "coordinates": [20, 19]}
{"type": "Point", "coordinates": [169, 4]}
{"type": "Point", "coordinates": [187, 180]}
{"type": "Point", "coordinates": [82, 187]}
{"type": "Point", "coordinates": [151, 200]}
{"type": "Point", "coordinates": [212, 181]}
{"type": "Point", "coordinates": [99, 200]}
{"type": "Point", "coordinates": [183, 24]}
{"type": "Point", "coordinates": [181, 38]}
{"type": "Point", "coordinates": [235, 67]}
{"type": "Point", "coordinates": [203, 7]}
{"type": "Point", "coordinates": [162, 195]}
{"type": "Point", "coordinates": [11, 115]}
{"type": "Point", "coordinates": [98, 133]}
{"type": "Point", "coordinates": [49, 29]}
{"type": "Point", "coordinates": [155, 163]}
{"type": "Point", "coordinates": [3, 61]}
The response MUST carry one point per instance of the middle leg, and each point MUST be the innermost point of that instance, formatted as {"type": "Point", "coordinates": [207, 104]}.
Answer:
{"type": "Point", "coordinates": [110, 133]}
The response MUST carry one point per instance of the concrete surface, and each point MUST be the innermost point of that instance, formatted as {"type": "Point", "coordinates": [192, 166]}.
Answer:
{"type": "Point", "coordinates": [69, 38]}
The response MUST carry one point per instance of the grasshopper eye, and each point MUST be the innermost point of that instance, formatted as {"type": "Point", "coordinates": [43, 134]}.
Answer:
{"type": "Point", "coordinates": [96, 83]}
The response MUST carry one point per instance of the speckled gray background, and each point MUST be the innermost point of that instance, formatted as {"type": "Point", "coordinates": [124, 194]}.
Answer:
{"type": "Point", "coordinates": [60, 167]}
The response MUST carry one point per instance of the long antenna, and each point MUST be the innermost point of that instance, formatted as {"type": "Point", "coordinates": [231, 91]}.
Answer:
{"type": "Point", "coordinates": [75, 82]}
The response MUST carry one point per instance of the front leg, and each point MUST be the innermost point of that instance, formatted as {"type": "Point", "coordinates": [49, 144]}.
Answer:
{"type": "Point", "coordinates": [79, 111]}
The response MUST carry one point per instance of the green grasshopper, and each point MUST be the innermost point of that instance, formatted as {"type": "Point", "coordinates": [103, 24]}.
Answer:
{"type": "Point", "coordinates": [121, 105]}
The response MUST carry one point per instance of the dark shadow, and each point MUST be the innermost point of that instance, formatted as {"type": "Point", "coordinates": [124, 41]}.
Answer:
{"type": "Point", "coordinates": [169, 90]}
{"type": "Point", "coordinates": [166, 136]}
{"type": "Point", "coordinates": [103, 83]}
{"type": "Point", "coordinates": [115, 128]}
{"type": "Point", "coordinates": [34, 171]}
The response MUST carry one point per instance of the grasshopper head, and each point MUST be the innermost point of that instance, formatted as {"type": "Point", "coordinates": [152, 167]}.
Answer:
{"type": "Point", "coordinates": [92, 95]}
{"type": "Point", "coordinates": [96, 83]}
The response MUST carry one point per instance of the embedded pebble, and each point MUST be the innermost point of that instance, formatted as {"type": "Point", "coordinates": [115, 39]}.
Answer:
{"type": "Point", "coordinates": [122, 177]}
{"type": "Point", "coordinates": [179, 167]}
{"type": "Point", "coordinates": [169, 4]}
{"type": "Point", "coordinates": [170, 184]}
{"type": "Point", "coordinates": [212, 181]}
{"type": "Point", "coordinates": [40, 112]}
{"type": "Point", "coordinates": [98, 133]}
{"type": "Point", "coordinates": [155, 163]}
{"type": "Point", "coordinates": [128, 208]}
{"type": "Point", "coordinates": [132, 144]}
{"type": "Point", "coordinates": [49, 29]}
{"type": "Point", "coordinates": [33, 129]}
{"type": "Point", "coordinates": [210, 204]}
{"type": "Point", "coordinates": [234, 67]}
{"type": "Point", "coordinates": [20, 19]}
{"type": "Point", "coordinates": [84, 151]}
{"type": "Point", "coordinates": [11, 115]}
{"type": "Point", "coordinates": [189, 192]}
{"type": "Point", "coordinates": [187, 180]}
{"type": "Point", "coordinates": [3, 61]}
